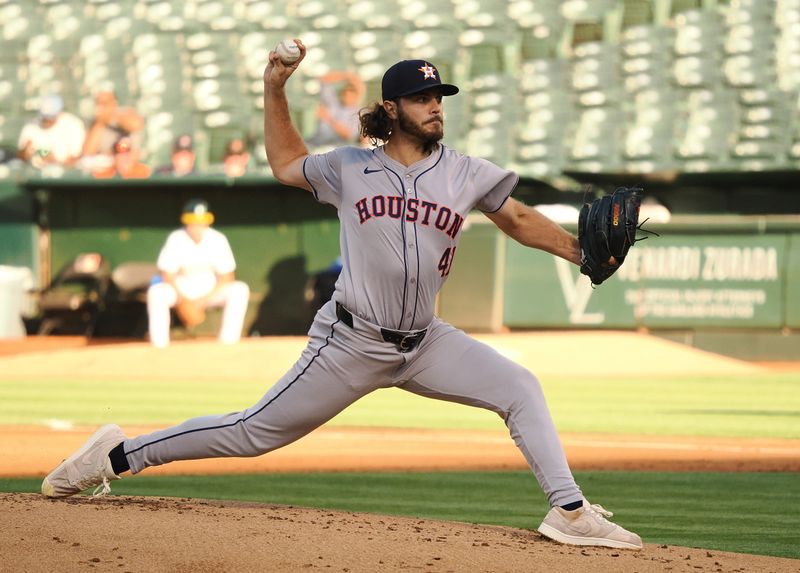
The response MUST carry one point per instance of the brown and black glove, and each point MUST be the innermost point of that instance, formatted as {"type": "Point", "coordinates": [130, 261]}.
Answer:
{"type": "Point", "coordinates": [607, 228]}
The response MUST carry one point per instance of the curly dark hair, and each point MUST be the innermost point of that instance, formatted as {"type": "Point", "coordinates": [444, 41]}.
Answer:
{"type": "Point", "coordinates": [376, 125]}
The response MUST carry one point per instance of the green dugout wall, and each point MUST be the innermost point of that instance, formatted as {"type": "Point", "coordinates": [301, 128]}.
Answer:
{"type": "Point", "coordinates": [18, 233]}
{"type": "Point", "coordinates": [703, 274]}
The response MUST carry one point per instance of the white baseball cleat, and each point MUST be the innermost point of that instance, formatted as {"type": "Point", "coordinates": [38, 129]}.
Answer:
{"type": "Point", "coordinates": [87, 467]}
{"type": "Point", "coordinates": [587, 525]}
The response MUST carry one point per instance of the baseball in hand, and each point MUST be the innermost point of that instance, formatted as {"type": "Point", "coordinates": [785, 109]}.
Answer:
{"type": "Point", "coordinates": [288, 51]}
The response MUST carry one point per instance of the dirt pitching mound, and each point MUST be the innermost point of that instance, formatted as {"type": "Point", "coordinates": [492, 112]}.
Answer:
{"type": "Point", "coordinates": [160, 534]}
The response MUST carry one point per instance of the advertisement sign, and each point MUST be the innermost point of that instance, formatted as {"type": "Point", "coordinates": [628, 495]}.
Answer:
{"type": "Point", "coordinates": [672, 282]}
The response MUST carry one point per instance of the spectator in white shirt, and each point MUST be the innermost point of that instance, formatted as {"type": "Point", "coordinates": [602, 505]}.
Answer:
{"type": "Point", "coordinates": [55, 138]}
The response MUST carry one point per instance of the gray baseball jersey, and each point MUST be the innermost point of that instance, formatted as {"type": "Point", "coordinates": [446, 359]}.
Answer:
{"type": "Point", "coordinates": [400, 228]}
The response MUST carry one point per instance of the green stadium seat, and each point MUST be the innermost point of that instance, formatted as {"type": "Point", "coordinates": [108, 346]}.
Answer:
{"type": "Point", "coordinates": [787, 53]}
{"type": "Point", "coordinates": [491, 115]}
{"type": "Point", "coordinates": [596, 143]}
{"type": "Point", "coordinates": [704, 144]}
{"type": "Point", "coordinates": [375, 14]}
{"type": "Point", "coordinates": [161, 130]}
{"type": "Point", "coordinates": [492, 49]}
{"type": "Point", "coordinates": [329, 49]}
{"type": "Point", "coordinates": [374, 49]}
{"type": "Point", "coordinates": [529, 15]}
{"type": "Point", "coordinates": [678, 7]}
{"type": "Point", "coordinates": [698, 32]}
{"type": "Point", "coordinates": [647, 58]}
{"type": "Point", "coordinates": [216, 15]}
{"type": "Point", "coordinates": [541, 26]}
{"type": "Point", "coordinates": [597, 84]}
{"type": "Point", "coordinates": [649, 135]}
{"type": "Point", "coordinates": [317, 14]}
{"type": "Point", "coordinates": [427, 14]}
{"type": "Point", "coordinates": [431, 43]}
{"type": "Point", "coordinates": [637, 13]}
{"type": "Point", "coordinates": [587, 11]}
{"type": "Point", "coordinates": [262, 15]}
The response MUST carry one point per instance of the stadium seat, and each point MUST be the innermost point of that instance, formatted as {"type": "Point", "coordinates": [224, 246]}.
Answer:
{"type": "Point", "coordinates": [541, 132]}
{"type": "Point", "coordinates": [594, 84]}
{"type": "Point", "coordinates": [704, 144]}
{"type": "Point", "coordinates": [374, 49]}
{"type": "Point", "coordinates": [649, 135]}
{"type": "Point", "coordinates": [375, 14]}
{"type": "Point", "coordinates": [586, 10]}
{"type": "Point", "coordinates": [427, 13]}
{"type": "Point", "coordinates": [492, 49]}
{"type": "Point", "coordinates": [596, 144]}
{"type": "Point", "coordinates": [491, 116]}
{"type": "Point", "coordinates": [258, 15]}
{"type": "Point", "coordinates": [541, 26]}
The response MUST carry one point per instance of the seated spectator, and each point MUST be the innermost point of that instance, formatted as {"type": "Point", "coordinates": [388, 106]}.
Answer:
{"type": "Point", "coordinates": [338, 113]}
{"type": "Point", "coordinates": [236, 158]}
{"type": "Point", "coordinates": [110, 123]}
{"type": "Point", "coordinates": [125, 164]}
{"type": "Point", "coordinates": [183, 159]}
{"type": "Point", "coordinates": [56, 137]}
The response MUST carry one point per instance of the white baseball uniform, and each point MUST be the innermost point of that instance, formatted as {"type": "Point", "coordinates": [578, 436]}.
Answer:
{"type": "Point", "coordinates": [196, 266]}
{"type": "Point", "coordinates": [400, 228]}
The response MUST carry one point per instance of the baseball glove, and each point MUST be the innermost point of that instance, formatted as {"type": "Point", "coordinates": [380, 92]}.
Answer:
{"type": "Point", "coordinates": [190, 312]}
{"type": "Point", "coordinates": [607, 228]}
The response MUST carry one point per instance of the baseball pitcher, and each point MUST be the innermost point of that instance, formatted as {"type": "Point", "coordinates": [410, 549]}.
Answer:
{"type": "Point", "coordinates": [402, 207]}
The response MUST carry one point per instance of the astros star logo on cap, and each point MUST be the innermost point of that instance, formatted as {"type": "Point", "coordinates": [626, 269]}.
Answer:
{"type": "Point", "coordinates": [429, 71]}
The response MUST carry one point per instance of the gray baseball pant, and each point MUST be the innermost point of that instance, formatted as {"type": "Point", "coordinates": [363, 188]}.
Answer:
{"type": "Point", "coordinates": [341, 364]}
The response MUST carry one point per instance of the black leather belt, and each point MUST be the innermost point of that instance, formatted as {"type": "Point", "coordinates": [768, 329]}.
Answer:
{"type": "Point", "coordinates": [404, 341]}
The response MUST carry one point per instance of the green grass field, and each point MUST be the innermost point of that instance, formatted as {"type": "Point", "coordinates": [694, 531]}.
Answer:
{"type": "Point", "coordinates": [735, 512]}
{"type": "Point", "coordinates": [766, 406]}
{"type": "Point", "coordinates": [729, 512]}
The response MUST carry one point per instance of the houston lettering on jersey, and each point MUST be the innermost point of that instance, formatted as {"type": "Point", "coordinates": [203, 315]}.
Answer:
{"type": "Point", "coordinates": [424, 212]}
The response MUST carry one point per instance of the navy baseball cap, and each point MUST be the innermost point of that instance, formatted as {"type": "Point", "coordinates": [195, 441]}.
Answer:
{"type": "Point", "coordinates": [411, 76]}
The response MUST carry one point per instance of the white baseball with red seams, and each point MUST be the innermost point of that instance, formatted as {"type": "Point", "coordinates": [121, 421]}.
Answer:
{"type": "Point", "coordinates": [288, 51]}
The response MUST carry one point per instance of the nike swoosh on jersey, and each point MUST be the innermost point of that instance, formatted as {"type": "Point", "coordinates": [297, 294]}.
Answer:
{"type": "Point", "coordinates": [367, 170]}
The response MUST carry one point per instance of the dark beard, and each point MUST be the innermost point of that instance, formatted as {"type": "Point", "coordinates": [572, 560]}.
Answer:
{"type": "Point", "coordinates": [428, 141]}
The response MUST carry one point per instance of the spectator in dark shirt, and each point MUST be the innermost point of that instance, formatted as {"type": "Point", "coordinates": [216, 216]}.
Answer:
{"type": "Point", "coordinates": [183, 159]}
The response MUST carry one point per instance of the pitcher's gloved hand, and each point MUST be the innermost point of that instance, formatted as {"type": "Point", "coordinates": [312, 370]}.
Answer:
{"type": "Point", "coordinates": [607, 230]}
